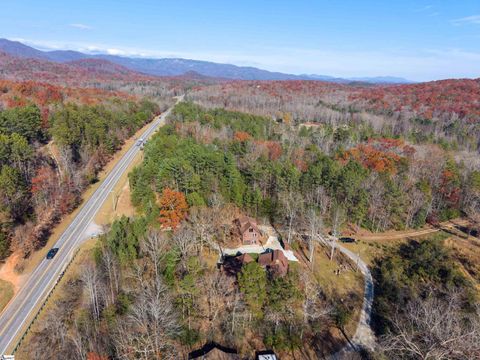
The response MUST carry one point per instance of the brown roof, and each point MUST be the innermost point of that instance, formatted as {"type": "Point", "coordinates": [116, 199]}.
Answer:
{"type": "Point", "coordinates": [273, 257]}
{"type": "Point", "coordinates": [245, 258]}
{"type": "Point", "coordinates": [247, 223]}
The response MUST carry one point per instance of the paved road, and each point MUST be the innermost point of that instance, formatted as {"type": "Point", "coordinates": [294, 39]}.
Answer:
{"type": "Point", "coordinates": [20, 310]}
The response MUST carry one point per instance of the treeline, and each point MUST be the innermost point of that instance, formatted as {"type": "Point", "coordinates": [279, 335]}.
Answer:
{"type": "Point", "coordinates": [280, 172]}
{"type": "Point", "coordinates": [47, 161]}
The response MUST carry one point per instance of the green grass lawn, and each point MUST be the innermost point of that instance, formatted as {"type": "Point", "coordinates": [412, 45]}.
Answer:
{"type": "Point", "coordinates": [6, 293]}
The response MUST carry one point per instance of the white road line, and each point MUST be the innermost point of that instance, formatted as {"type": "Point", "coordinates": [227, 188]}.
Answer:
{"type": "Point", "coordinates": [19, 310]}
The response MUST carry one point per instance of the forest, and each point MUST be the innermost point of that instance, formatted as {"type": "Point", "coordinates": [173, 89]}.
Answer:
{"type": "Point", "coordinates": [151, 287]}
{"type": "Point", "coordinates": [442, 112]}
{"type": "Point", "coordinates": [53, 143]}
{"type": "Point", "coordinates": [263, 166]}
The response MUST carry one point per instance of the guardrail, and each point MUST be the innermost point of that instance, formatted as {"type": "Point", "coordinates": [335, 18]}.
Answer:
{"type": "Point", "coordinates": [25, 333]}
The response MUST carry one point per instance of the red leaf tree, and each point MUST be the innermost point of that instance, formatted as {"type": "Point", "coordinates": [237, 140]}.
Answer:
{"type": "Point", "coordinates": [173, 208]}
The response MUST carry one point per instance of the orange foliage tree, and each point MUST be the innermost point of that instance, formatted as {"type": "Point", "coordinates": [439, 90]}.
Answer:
{"type": "Point", "coordinates": [380, 155]}
{"type": "Point", "coordinates": [173, 208]}
{"type": "Point", "coordinates": [95, 356]}
{"type": "Point", "coordinates": [241, 136]}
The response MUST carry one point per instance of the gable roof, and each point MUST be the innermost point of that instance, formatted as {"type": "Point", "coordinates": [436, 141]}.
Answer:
{"type": "Point", "coordinates": [247, 223]}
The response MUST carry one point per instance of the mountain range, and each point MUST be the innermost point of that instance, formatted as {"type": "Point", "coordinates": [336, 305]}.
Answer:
{"type": "Point", "coordinates": [175, 66]}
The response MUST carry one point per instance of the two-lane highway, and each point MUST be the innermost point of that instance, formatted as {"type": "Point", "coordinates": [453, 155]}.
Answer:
{"type": "Point", "coordinates": [16, 316]}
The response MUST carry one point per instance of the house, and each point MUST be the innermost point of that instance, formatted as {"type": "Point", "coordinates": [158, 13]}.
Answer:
{"type": "Point", "coordinates": [249, 231]}
{"type": "Point", "coordinates": [274, 261]}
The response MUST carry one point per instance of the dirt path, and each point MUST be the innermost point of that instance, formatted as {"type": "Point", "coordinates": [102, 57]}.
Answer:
{"type": "Point", "coordinates": [10, 276]}
{"type": "Point", "coordinates": [8, 273]}
{"type": "Point", "coordinates": [447, 225]}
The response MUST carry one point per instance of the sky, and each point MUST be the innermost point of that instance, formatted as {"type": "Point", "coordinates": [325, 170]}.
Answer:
{"type": "Point", "coordinates": [415, 39]}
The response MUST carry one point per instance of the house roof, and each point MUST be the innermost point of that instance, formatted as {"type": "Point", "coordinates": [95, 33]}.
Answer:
{"type": "Point", "coordinates": [273, 258]}
{"type": "Point", "coordinates": [245, 258]}
{"type": "Point", "coordinates": [247, 223]}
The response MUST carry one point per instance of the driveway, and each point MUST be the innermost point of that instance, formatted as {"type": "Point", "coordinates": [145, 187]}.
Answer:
{"type": "Point", "coordinates": [271, 243]}
{"type": "Point", "coordinates": [364, 336]}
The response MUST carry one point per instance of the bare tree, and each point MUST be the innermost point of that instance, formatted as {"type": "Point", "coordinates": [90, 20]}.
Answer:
{"type": "Point", "coordinates": [338, 218]}
{"type": "Point", "coordinates": [111, 269]}
{"type": "Point", "coordinates": [319, 197]}
{"type": "Point", "coordinates": [91, 281]}
{"type": "Point", "coordinates": [315, 225]}
{"type": "Point", "coordinates": [433, 329]}
{"type": "Point", "coordinates": [202, 221]}
{"type": "Point", "coordinates": [154, 244]}
{"type": "Point", "coordinates": [292, 204]}
{"type": "Point", "coordinates": [185, 240]}
{"type": "Point", "coordinates": [218, 288]}
{"type": "Point", "coordinates": [150, 326]}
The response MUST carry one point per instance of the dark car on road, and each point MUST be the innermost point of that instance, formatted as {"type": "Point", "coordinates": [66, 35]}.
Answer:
{"type": "Point", "coordinates": [347, 240]}
{"type": "Point", "coordinates": [51, 253]}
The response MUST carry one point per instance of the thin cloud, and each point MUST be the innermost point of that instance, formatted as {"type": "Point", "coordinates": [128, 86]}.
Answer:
{"type": "Point", "coordinates": [424, 8]}
{"type": "Point", "coordinates": [420, 65]}
{"type": "Point", "coordinates": [474, 19]}
{"type": "Point", "coordinates": [81, 26]}
{"type": "Point", "coordinates": [428, 10]}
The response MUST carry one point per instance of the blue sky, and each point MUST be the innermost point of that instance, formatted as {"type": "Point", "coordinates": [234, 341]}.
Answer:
{"type": "Point", "coordinates": [418, 40]}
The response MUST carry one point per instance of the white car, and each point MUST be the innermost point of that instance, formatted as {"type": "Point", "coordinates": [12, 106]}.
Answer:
{"type": "Point", "coordinates": [140, 142]}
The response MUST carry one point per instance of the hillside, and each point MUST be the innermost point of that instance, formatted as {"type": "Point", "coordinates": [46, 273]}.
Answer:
{"type": "Point", "coordinates": [22, 69]}
{"type": "Point", "coordinates": [102, 67]}
{"type": "Point", "coordinates": [430, 100]}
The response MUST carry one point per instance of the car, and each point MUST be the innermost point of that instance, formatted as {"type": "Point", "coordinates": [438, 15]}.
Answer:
{"type": "Point", "coordinates": [51, 253]}
{"type": "Point", "coordinates": [140, 142]}
{"type": "Point", "coordinates": [347, 240]}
